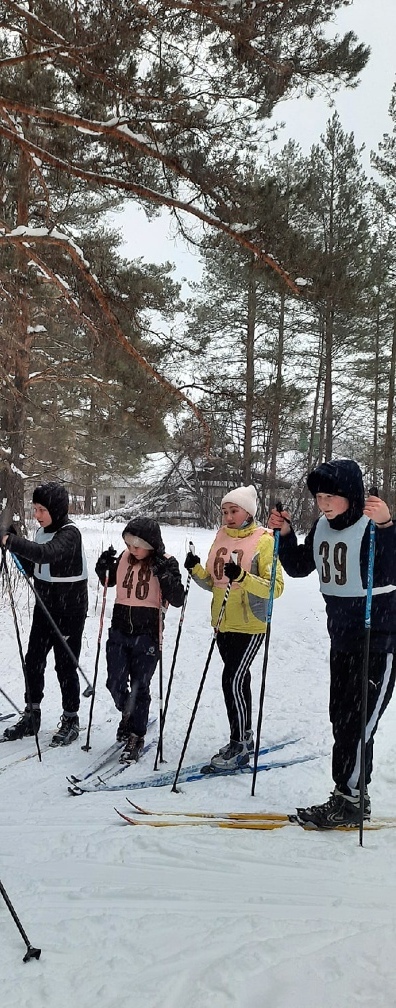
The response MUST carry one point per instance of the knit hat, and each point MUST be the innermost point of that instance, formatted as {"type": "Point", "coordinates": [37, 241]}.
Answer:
{"type": "Point", "coordinates": [54, 497]}
{"type": "Point", "coordinates": [148, 531]}
{"type": "Point", "coordinates": [342, 477]}
{"type": "Point", "coordinates": [244, 497]}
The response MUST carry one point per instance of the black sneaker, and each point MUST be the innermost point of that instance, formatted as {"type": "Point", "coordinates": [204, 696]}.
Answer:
{"type": "Point", "coordinates": [24, 727]}
{"type": "Point", "coordinates": [133, 749]}
{"type": "Point", "coordinates": [339, 810]}
{"type": "Point", "coordinates": [68, 730]}
{"type": "Point", "coordinates": [231, 757]}
{"type": "Point", "coordinates": [248, 739]}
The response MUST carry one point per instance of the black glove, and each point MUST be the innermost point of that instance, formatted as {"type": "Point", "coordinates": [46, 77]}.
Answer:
{"type": "Point", "coordinates": [160, 564]}
{"type": "Point", "coordinates": [106, 562]}
{"type": "Point", "coordinates": [191, 561]}
{"type": "Point", "coordinates": [233, 571]}
{"type": "Point", "coordinates": [6, 529]}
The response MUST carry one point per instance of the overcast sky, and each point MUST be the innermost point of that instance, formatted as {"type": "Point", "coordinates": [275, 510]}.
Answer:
{"type": "Point", "coordinates": [363, 111]}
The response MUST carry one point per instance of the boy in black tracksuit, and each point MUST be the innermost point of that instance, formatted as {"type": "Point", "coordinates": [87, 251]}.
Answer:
{"type": "Point", "coordinates": [338, 546]}
{"type": "Point", "coordinates": [57, 560]}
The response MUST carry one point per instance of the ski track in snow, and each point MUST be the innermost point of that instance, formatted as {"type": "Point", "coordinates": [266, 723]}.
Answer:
{"type": "Point", "coordinates": [134, 916]}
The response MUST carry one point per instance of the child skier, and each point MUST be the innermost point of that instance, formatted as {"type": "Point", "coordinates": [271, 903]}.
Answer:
{"type": "Point", "coordinates": [243, 625]}
{"type": "Point", "coordinates": [57, 560]}
{"type": "Point", "coordinates": [147, 579]}
{"type": "Point", "coordinates": [337, 546]}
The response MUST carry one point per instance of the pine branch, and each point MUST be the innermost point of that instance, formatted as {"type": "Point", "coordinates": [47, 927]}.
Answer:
{"type": "Point", "coordinates": [28, 237]}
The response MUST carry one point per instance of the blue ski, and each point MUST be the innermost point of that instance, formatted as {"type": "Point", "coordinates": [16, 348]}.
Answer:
{"type": "Point", "coordinates": [192, 773]}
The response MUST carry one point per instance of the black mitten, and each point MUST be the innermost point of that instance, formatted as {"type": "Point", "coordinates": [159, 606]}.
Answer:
{"type": "Point", "coordinates": [160, 564]}
{"type": "Point", "coordinates": [233, 571]}
{"type": "Point", "coordinates": [106, 562]}
{"type": "Point", "coordinates": [191, 561]}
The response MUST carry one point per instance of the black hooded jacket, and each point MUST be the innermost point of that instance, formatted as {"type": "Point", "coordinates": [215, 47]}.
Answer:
{"type": "Point", "coordinates": [326, 548]}
{"type": "Point", "coordinates": [63, 552]}
{"type": "Point", "coordinates": [135, 619]}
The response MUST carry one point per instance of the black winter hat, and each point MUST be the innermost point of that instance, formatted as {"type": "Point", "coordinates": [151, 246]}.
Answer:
{"type": "Point", "coordinates": [344, 478]}
{"type": "Point", "coordinates": [54, 497]}
{"type": "Point", "coordinates": [147, 529]}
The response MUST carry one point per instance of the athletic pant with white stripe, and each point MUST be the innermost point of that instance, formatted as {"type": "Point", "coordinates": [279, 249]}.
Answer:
{"type": "Point", "coordinates": [238, 651]}
{"type": "Point", "coordinates": [345, 708]}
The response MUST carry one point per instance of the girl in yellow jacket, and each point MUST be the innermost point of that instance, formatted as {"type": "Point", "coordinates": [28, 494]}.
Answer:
{"type": "Point", "coordinates": [243, 625]}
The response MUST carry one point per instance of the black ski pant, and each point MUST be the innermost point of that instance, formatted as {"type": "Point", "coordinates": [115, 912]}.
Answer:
{"type": "Point", "coordinates": [131, 663]}
{"type": "Point", "coordinates": [345, 711]}
{"type": "Point", "coordinates": [238, 651]}
{"type": "Point", "coordinates": [42, 640]}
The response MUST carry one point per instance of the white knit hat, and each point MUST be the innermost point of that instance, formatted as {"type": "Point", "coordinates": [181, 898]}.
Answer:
{"type": "Point", "coordinates": [244, 497]}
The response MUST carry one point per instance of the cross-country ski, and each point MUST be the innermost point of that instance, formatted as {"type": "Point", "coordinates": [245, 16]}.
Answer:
{"type": "Point", "coordinates": [259, 821]}
{"type": "Point", "coordinates": [195, 772]}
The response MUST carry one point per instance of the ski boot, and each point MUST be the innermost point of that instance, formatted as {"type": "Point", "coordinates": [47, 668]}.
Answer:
{"type": "Point", "coordinates": [248, 738]}
{"type": "Point", "coordinates": [231, 757]}
{"type": "Point", "coordinates": [133, 749]}
{"type": "Point", "coordinates": [25, 726]}
{"type": "Point", "coordinates": [68, 730]}
{"type": "Point", "coordinates": [339, 810]}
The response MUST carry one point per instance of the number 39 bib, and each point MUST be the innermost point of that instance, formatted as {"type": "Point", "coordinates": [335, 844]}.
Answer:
{"type": "Point", "coordinates": [337, 558]}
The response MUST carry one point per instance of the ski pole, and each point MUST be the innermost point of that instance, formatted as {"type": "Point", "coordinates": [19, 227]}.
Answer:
{"type": "Point", "coordinates": [365, 671]}
{"type": "Point", "coordinates": [4, 694]}
{"type": "Point", "coordinates": [97, 586]}
{"type": "Point", "coordinates": [89, 690]}
{"type": "Point", "coordinates": [87, 746]}
{"type": "Point", "coordinates": [160, 683]}
{"type": "Point", "coordinates": [266, 649]}
{"type": "Point", "coordinates": [172, 668]}
{"type": "Point", "coordinates": [18, 637]}
{"type": "Point", "coordinates": [32, 953]}
{"type": "Point", "coordinates": [201, 685]}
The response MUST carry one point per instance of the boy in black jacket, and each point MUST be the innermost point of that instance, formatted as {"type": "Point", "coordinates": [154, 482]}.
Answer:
{"type": "Point", "coordinates": [57, 560]}
{"type": "Point", "coordinates": [147, 580]}
{"type": "Point", "coordinates": [338, 546]}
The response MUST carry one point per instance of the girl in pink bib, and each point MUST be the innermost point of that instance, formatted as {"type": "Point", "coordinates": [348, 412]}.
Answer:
{"type": "Point", "coordinates": [147, 581]}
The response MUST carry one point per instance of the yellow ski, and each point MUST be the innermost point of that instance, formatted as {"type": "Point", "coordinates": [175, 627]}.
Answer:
{"type": "Point", "coordinates": [253, 821]}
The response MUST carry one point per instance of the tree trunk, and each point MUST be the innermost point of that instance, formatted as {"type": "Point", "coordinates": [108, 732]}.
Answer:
{"type": "Point", "coordinates": [328, 385]}
{"type": "Point", "coordinates": [277, 402]}
{"type": "Point", "coordinates": [388, 446]}
{"type": "Point", "coordinates": [376, 393]}
{"type": "Point", "coordinates": [250, 334]}
{"type": "Point", "coordinates": [312, 457]}
{"type": "Point", "coordinates": [13, 483]}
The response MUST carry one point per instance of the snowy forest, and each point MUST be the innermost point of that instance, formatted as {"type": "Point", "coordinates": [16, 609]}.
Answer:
{"type": "Point", "coordinates": [285, 352]}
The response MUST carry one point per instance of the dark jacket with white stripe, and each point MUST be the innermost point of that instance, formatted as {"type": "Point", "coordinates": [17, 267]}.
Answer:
{"type": "Point", "coordinates": [339, 551]}
{"type": "Point", "coordinates": [57, 560]}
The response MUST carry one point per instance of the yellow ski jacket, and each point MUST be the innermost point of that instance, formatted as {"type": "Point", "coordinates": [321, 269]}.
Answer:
{"type": "Point", "coordinates": [247, 604]}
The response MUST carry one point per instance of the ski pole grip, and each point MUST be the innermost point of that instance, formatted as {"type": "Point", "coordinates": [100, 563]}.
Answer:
{"type": "Point", "coordinates": [279, 508]}
{"type": "Point", "coordinates": [373, 491]}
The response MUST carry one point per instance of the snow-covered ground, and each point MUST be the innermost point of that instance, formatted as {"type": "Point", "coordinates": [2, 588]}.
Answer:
{"type": "Point", "coordinates": [198, 916]}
